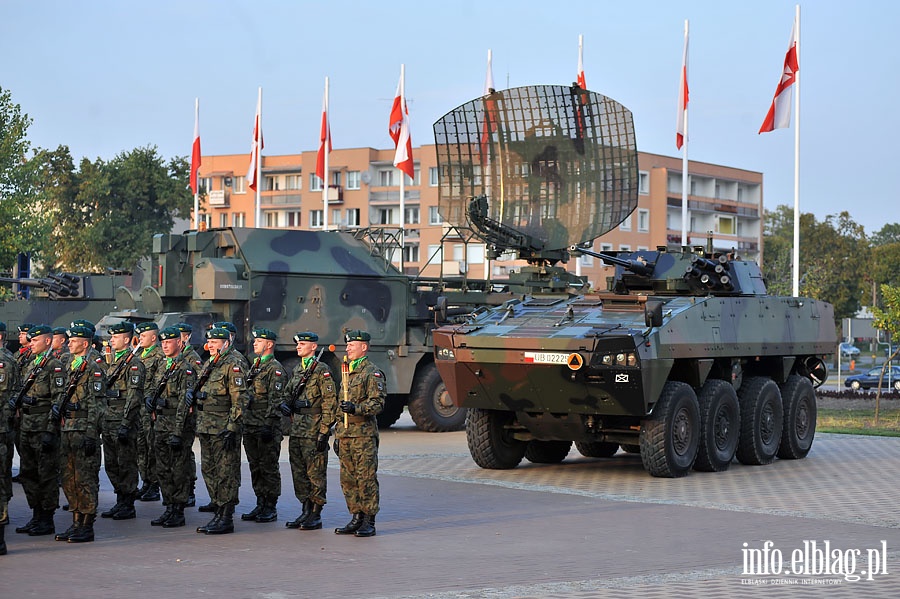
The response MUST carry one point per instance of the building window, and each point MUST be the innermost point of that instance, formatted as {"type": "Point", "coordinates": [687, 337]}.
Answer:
{"type": "Point", "coordinates": [315, 219]}
{"type": "Point", "coordinates": [385, 216]}
{"type": "Point", "coordinates": [204, 185]}
{"type": "Point", "coordinates": [223, 220]}
{"type": "Point", "coordinates": [239, 219]}
{"type": "Point", "coordinates": [205, 221]}
{"type": "Point", "coordinates": [605, 247]}
{"type": "Point", "coordinates": [624, 247]}
{"type": "Point", "coordinates": [386, 178]}
{"type": "Point", "coordinates": [270, 183]}
{"type": "Point", "coordinates": [293, 182]}
{"type": "Point", "coordinates": [352, 217]}
{"type": "Point", "coordinates": [586, 260]}
{"type": "Point", "coordinates": [435, 254]}
{"type": "Point", "coordinates": [352, 179]}
{"type": "Point", "coordinates": [239, 184]}
{"type": "Point", "coordinates": [643, 220]}
{"type": "Point", "coordinates": [315, 183]}
{"type": "Point", "coordinates": [475, 253]}
{"type": "Point", "coordinates": [625, 225]}
{"type": "Point", "coordinates": [335, 217]}
{"type": "Point", "coordinates": [411, 216]}
{"type": "Point", "coordinates": [336, 178]}
{"type": "Point", "coordinates": [433, 178]}
{"type": "Point", "coordinates": [410, 253]}
{"type": "Point", "coordinates": [292, 218]}
{"type": "Point", "coordinates": [272, 219]}
{"type": "Point", "coordinates": [726, 225]}
{"type": "Point", "coordinates": [434, 217]}
{"type": "Point", "coordinates": [644, 182]}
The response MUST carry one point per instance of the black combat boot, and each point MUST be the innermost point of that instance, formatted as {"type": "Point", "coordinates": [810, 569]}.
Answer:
{"type": "Point", "coordinates": [114, 509]}
{"type": "Point", "coordinates": [152, 493]}
{"type": "Point", "coordinates": [170, 509]}
{"type": "Point", "coordinates": [76, 522]}
{"type": "Point", "coordinates": [314, 520]}
{"type": "Point", "coordinates": [251, 515]}
{"type": "Point", "coordinates": [367, 528]}
{"type": "Point", "coordinates": [268, 513]}
{"type": "Point", "coordinates": [215, 519]}
{"type": "Point", "coordinates": [209, 507]}
{"type": "Point", "coordinates": [177, 517]}
{"type": "Point", "coordinates": [192, 498]}
{"type": "Point", "coordinates": [85, 532]}
{"type": "Point", "coordinates": [2, 539]}
{"type": "Point", "coordinates": [126, 512]}
{"type": "Point", "coordinates": [307, 506]}
{"type": "Point", "coordinates": [26, 528]}
{"type": "Point", "coordinates": [225, 524]}
{"type": "Point", "coordinates": [44, 526]}
{"type": "Point", "coordinates": [352, 526]}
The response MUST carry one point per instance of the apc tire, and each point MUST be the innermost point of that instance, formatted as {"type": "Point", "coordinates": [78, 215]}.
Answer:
{"type": "Point", "coordinates": [762, 417]}
{"type": "Point", "coordinates": [670, 438]}
{"type": "Point", "coordinates": [547, 452]}
{"type": "Point", "coordinates": [430, 405]}
{"type": "Point", "coordinates": [720, 426]}
{"type": "Point", "coordinates": [490, 441]}
{"type": "Point", "coordinates": [800, 412]}
{"type": "Point", "coordinates": [597, 449]}
{"type": "Point", "coordinates": [393, 409]}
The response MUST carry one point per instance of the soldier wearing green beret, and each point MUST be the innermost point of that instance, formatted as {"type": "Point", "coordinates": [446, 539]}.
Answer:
{"type": "Point", "coordinates": [262, 426]}
{"type": "Point", "coordinates": [220, 405]}
{"type": "Point", "coordinates": [363, 392]}
{"type": "Point", "coordinates": [79, 416]}
{"type": "Point", "coordinates": [59, 347]}
{"type": "Point", "coordinates": [152, 356]}
{"type": "Point", "coordinates": [192, 357]}
{"type": "Point", "coordinates": [24, 354]}
{"type": "Point", "coordinates": [9, 382]}
{"type": "Point", "coordinates": [122, 422]}
{"type": "Point", "coordinates": [312, 410]}
{"type": "Point", "coordinates": [38, 434]}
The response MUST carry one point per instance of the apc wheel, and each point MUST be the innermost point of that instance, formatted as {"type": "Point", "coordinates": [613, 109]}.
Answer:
{"type": "Point", "coordinates": [854, 385]}
{"type": "Point", "coordinates": [490, 441]}
{"type": "Point", "coordinates": [799, 428]}
{"type": "Point", "coordinates": [720, 426]}
{"type": "Point", "coordinates": [547, 452]}
{"type": "Point", "coordinates": [393, 409]}
{"type": "Point", "coordinates": [671, 436]}
{"type": "Point", "coordinates": [629, 448]}
{"type": "Point", "coordinates": [430, 405]}
{"type": "Point", "coordinates": [761, 421]}
{"type": "Point", "coordinates": [597, 449]}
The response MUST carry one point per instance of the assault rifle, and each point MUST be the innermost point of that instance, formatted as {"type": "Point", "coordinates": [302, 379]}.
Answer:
{"type": "Point", "coordinates": [304, 379]}
{"type": "Point", "coordinates": [153, 401]}
{"type": "Point", "coordinates": [201, 380]}
{"type": "Point", "coordinates": [121, 366]}
{"type": "Point", "coordinates": [16, 402]}
{"type": "Point", "coordinates": [74, 379]}
{"type": "Point", "coordinates": [255, 369]}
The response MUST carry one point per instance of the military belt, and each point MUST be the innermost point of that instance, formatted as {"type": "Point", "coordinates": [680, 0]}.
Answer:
{"type": "Point", "coordinates": [115, 403]}
{"type": "Point", "coordinates": [214, 408]}
{"type": "Point", "coordinates": [77, 414]}
{"type": "Point", "coordinates": [113, 393]}
{"type": "Point", "coordinates": [166, 411]}
{"type": "Point", "coordinates": [257, 405]}
{"type": "Point", "coordinates": [308, 411]}
{"type": "Point", "coordinates": [29, 410]}
{"type": "Point", "coordinates": [355, 419]}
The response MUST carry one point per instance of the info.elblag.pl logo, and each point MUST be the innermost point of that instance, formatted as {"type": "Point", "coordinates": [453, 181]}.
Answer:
{"type": "Point", "coordinates": [814, 558]}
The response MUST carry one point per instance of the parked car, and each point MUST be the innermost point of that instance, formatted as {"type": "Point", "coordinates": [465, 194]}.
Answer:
{"type": "Point", "coordinates": [869, 379]}
{"type": "Point", "coordinates": [848, 350]}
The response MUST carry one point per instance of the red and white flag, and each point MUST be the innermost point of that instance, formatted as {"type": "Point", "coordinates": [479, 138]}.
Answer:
{"type": "Point", "coordinates": [324, 139]}
{"type": "Point", "coordinates": [683, 96]}
{"type": "Point", "coordinates": [580, 78]}
{"type": "Point", "coordinates": [398, 128]}
{"type": "Point", "coordinates": [257, 145]}
{"type": "Point", "coordinates": [195, 149]}
{"type": "Point", "coordinates": [779, 115]}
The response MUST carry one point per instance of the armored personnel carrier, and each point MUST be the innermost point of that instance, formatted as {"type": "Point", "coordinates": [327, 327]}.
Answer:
{"type": "Point", "coordinates": [684, 358]}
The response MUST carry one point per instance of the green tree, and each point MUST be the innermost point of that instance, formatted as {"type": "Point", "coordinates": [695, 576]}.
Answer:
{"type": "Point", "coordinates": [889, 233]}
{"type": "Point", "coordinates": [887, 319]}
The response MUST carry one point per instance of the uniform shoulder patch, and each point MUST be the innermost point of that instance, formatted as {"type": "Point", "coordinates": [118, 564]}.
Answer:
{"type": "Point", "coordinates": [134, 367]}
{"type": "Point", "coordinates": [98, 374]}
{"type": "Point", "coordinates": [277, 372]}
{"type": "Point", "coordinates": [235, 369]}
{"type": "Point", "coordinates": [189, 371]}
{"type": "Point", "coordinates": [326, 374]}
{"type": "Point", "coordinates": [57, 369]}
{"type": "Point", "coordinates": [378, 373]}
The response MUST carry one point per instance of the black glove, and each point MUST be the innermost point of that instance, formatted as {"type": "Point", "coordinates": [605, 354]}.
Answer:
{"type": "Point", "coordinates": [229, 440]}
{"type": "Point", "coordinates": [149, 403]}
{"type": "Point", "coordinates": [266, 433]}
{"type": "Point", "coordinates": [48, 441]}
{"type": "Point", "coordinates": [89, 445]}
{"type": "Point", "coordinates": [336, 446]}
{"type": "Point", "coordinates": [55, 412]}
{"type": "Point", "coordinates": [122, 434]}
{"type": "Point", "coordinates": [302, 403]}
{"type": "Point", "coordinates": [189, 398]}
{"type": "Point", "coordinates": [12, 403]}
{"type": "Point", "coordinates": [175, 442]}
{"type": "Point", "coordinates": [285, 409]}
{"type": "Point", "coordinates": [348, 407]}
{"type": "Point", "coordinates": [28, 401]}
{"type": "Point", "coordinates": [322, 442]}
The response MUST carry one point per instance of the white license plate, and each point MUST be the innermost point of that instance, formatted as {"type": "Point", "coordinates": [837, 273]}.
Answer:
{"type": "Point", "coordinates": [545, 358]}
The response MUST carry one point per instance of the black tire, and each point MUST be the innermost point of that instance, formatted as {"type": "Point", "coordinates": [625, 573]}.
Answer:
{"type": "Point", "coordinates": [670, 437]}
{"type": "Point", "coordinates": [597, 449]}
{"type": "Point", "coordinates": [762, 416]}
{"type": "Point", "coordinates": [720, 426]}
{"type": "Point", "coordinates": [430, 405]}
{"type": "Point", "coordinates": [490, 441]}
{"type": "Point", "coordinates": [799, 430]}
{"type": "Point", "coordinates": [393, 409]}
{"type": "Point", "coordinates": [547, 452]}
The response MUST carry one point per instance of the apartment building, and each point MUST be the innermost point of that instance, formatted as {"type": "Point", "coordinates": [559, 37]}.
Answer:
{"type": "Point", "coordinates": [724, 203]}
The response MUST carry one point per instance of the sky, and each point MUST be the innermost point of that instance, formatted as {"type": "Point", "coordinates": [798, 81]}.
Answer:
{"type": "Point", "coordinates": [108, 76]}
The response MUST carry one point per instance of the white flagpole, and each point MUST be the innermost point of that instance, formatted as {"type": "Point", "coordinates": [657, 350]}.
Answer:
{"type": "Point", "coordinates": [578, 75]}
{"type": "Point", "coordinates": [197, 194]}
{"type": "Point", "coordinates": [402, 174]}
{"type": "Point", "coordinates": [325, 169]}
{"type": "Point", "coordinates": [684, 159]}
{"type": "Point", "coordinates": [796, 260]}
{"type": "Point", "coordinates": [258, 216]}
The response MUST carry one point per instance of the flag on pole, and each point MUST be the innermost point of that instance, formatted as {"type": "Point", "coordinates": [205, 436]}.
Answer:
{"type": "Point", "coordinates": [255, 148]}
{"type": "Point", "coordinates": [324, 139]}
{"type": "Point", "coordinates": [489, 112]}
{"type": "Point", "coordinates": [195, 149]}
{"type": "Point", "coordinates": [580, 79]}
{"type": "Point", "coordinates": [683, 96]}
{"type": "Point", "coordinates": [779, 115]}
{"type": "Point", "coordinates": [398, 128]}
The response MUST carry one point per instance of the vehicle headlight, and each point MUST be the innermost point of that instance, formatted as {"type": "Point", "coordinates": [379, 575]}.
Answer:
{"type": "Point", "coordinates": [445, 353]}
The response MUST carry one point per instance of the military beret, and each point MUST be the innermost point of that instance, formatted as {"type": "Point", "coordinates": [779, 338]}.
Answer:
{"type": "Point", "coordinates": [357, 335]}
{"type": "Point", "coordinates": [60, 331]}
{"type": "Point", "coordinates": [39, 329]}
{"type": "Point", "coordinates": [170, 333]}
{"type": "Point", "coordinates": [145, 326]}
{"type": "Point", "coordinates": [305, 336]}
{"type": "Point", "coordinates": [184, 327]}
{"type": "Point", "coordinates": [26, 326]}
{"type": "Point", "coordinates": [264, 334]}
{"type": "Point", "coordinates": [83, 323]}
{"type": "Point", "coordinates": [224, 324]}
{"type": "Point", "coordinates": [121, 327]}
{"type": "Point", "coordinates": [80, 332]}
{"type": "Point", "coordinates": [218, 333]}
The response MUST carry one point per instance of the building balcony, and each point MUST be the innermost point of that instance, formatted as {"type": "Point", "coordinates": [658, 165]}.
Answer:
{"type": "Point", "coordinates": [280, 199]}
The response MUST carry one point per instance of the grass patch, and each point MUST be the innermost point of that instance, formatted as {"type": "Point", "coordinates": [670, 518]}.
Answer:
{"type": "Point", "coordinates": [859, 421]}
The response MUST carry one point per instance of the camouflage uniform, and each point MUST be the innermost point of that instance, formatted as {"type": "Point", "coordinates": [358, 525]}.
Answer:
{"type": "Point", "coordinates": [308, 464]}
{"type": "Point", "coordinates": [151, 358]}
{"type": "Point", "coordinates": [220, 411]}
{"type": "Point", "coordinates": [190, 426]}
{"type": "Point", "coordinates": [262, 435]}
{"type": "Point", "coordinates": [357, 438]}
{"type": "Point", "coordinates": [9, 383]}
{"type": "Point", "coordinates": [121, 427]}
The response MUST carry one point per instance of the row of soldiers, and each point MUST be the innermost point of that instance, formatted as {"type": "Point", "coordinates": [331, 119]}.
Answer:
{"type": "Point", "coordinates": [147, 397]}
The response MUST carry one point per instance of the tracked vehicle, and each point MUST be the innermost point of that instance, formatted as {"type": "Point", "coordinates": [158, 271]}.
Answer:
{"type": "Point", "coordinates": [685, 358]}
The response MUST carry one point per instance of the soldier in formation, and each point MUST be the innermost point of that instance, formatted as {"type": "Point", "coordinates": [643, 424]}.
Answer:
{"type": "Point", "coordinates": [151, 355]}
{"type": "Point", "coordinates": [59, 347]}
{"type": "Point", "coordinates": [190, 462]}
{"type": "Point", "coordinates": [9, 384]}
